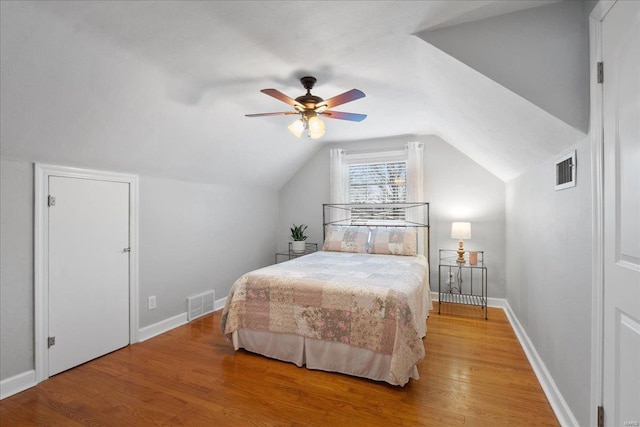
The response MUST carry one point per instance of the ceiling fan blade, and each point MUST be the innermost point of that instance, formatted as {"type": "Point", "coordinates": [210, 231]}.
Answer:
{"type": "Point", "coordinates": [284, 113]}
{"type": "Point", "coordinates": [354, 117]}
{"type": "Point", "coordinates": [282, 97]}
{"type": "Point", "coordinates": [343, 98]}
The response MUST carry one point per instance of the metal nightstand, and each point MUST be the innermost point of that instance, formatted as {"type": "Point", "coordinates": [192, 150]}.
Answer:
{"type": "Point", "coordinates": [455, 289]}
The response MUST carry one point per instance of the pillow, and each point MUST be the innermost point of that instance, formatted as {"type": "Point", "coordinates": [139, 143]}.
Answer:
{"type": "Point", "coordinates": [393, 241]}
{"type": "Point", "coordinates": [346, 239]}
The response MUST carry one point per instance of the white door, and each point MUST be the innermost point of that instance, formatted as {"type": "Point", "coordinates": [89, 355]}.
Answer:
{"type": "Point", "coordinates": [621, 118]}
{"type": "Point", "coordinates": [88, 270]}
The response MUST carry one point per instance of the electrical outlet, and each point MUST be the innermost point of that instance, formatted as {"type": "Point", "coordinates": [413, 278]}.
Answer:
{"type": "Point", "coordinates": [152, 302]}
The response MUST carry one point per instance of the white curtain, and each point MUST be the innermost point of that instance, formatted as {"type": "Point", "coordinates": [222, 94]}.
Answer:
{"type": "Point", "coordinates": [415, 172]}
{"type": "Point", "coordinates": [415, 187]}
{"type": "Point", "coordinates": [338, 183]}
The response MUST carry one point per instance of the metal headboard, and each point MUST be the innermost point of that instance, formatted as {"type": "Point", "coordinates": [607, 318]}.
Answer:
{"type": "Point", "coordinates": [379, 215]}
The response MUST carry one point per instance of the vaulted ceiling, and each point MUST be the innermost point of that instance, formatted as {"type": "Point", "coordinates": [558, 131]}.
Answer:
{"type": "Point", "coordinates": [161, 88]}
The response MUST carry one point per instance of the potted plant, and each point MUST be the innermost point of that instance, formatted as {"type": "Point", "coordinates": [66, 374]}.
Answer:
{"type": "Point", "coordinates": [298, 236]}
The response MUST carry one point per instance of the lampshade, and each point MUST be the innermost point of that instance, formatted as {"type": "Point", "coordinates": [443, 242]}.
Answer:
{"type": "Point", "coordinates": [316, 128]}
{"type": "Point", "coordinates": [296, 127]}
{"type": "Point", "coordinates": [461, 230]}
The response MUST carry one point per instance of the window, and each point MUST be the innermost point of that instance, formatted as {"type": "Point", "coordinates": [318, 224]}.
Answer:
{"type": "Point", "coordinates": [380, 182]}
{"type": "Point", "coordinates": [370, 178]}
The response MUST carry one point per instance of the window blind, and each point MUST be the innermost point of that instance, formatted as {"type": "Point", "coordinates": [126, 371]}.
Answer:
{"type": "Point", "coordinates": [382, 182]}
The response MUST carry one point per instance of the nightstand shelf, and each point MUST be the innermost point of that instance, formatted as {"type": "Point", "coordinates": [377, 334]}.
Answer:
{"type": "Point", "coordinates": [456, 280]}
{"type": "Point", "coordinates": [287, 255]}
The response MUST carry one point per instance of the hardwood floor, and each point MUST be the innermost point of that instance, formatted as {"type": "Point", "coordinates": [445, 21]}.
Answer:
{"type": "Point", "coordinates": [475, 373]}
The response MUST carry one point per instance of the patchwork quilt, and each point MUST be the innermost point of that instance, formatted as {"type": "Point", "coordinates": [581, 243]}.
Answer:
{"type": "Point", "coordinates": [365, 300]}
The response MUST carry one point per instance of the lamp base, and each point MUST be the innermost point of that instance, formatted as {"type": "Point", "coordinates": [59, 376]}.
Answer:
{"type": "Point", "coordinates": [461, 259]}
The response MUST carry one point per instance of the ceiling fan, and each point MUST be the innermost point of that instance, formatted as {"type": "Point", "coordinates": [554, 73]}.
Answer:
{"type": "Point", "coordinates": [309, 107]}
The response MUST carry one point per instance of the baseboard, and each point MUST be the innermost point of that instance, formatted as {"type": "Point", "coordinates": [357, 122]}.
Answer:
{"type": "Point", "coordinates": [220, 303]}
{"type": "Point", "coordinates": [17, 383]}
{"type": "Point", "coordinates": [557, 402]}
{"type": "Point", "coordinates": [173, 322]}
{"type": "Point", "coordinates": [161, 327]}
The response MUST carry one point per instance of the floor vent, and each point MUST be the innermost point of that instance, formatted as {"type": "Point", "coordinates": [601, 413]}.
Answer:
{"type": "Point", "coordinates": [201, 304]}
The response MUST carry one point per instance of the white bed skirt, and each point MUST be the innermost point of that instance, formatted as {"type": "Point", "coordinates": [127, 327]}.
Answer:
{"type": "Point", "coordinates": [320, 355]}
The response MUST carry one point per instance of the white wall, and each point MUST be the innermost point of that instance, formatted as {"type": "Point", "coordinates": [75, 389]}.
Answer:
{"type": "Point", "coordinates": [16, 268]}
{"type": "Point", "coordinates": [193, 237]}
{"type": "Point", "coordinates": [549, 273]}
{"type": "Point", "coordinates": [541, 54]}
{"type": "Point", "coordinates": [456, 186]}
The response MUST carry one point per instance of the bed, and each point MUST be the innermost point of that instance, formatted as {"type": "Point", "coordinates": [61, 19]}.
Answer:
{"type": "Point", "coordinates": [358, 307]}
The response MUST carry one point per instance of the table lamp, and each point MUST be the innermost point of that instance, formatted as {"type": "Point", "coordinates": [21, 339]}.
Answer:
{"type": "Point", "coordinates": [460, 231]}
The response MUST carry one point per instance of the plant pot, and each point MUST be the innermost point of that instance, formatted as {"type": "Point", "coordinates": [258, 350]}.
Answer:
{"type": "Point", "coordinates": [298, 247]}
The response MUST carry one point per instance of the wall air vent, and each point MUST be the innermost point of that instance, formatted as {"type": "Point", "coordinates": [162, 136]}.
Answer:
{"type": "Point", "coordinates": [566, 171]}
{"type": "Point", "coordinates": [201, 304]}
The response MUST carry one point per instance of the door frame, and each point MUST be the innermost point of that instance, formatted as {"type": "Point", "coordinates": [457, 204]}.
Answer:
{"type": "Point", "coordinates": [597, 193]}
{"type": "Point", "coordinates": [41, 253]}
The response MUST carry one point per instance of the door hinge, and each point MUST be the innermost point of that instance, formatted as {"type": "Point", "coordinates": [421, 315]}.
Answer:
{"type": "Point", "coordinates": [600, 72]}
{"type": "Point", "coordinates": [600, 416]}
{"type": "Point", "coordinates": [51, 201]}
{"type": "Point", "coordinates": [51, 341]}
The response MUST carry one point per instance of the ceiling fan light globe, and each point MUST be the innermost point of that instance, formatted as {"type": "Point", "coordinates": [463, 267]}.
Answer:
{"type": "Point", "coordinates": [316, 127]}
{"type": "Point", "coordinates": [296, 128]}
